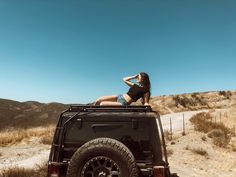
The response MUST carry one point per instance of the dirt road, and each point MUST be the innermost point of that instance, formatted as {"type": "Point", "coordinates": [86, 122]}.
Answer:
{"type": "Point", "coordinates": [26, 154]}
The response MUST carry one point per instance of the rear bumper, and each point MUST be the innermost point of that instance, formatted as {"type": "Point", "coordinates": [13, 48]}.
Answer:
{"type": "Point", "coordinates": [59, 169]}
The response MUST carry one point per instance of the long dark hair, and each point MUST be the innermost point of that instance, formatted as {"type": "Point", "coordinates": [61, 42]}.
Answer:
{"type": "Point", "coordinates": [146, 82]}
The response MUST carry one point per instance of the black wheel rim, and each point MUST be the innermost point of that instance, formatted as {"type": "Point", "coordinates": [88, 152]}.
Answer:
{"type": "Point", "coordinates": [101, 167]}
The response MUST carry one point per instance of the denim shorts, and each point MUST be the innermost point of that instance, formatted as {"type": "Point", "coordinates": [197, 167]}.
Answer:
{"type": "Point", "coordinates": [121, 99]}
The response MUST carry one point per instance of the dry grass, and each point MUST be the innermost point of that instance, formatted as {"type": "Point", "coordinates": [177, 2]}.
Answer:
{"type": "Point", "coordinates": [200, 151]}
{"type": "Point", "coordinates": [18, 172]}
{"type": "Point", "coordinates": [215, 133]}
{"type": "Point", "coordinates": [226, 94]}
{"type": "Point", "coordinates": [187, 147]}
{"type": "Point", "coordinates": [234, 148]}
{"type": "Point", "coordinates": [169, 152]}
{"type": "Point", "coordinates": [39, 171]}
{"type": "Point", "coordinates": [190, 101]}
{"type": "Point", "coordinates": [11, 136]}
{"type": "Point", "coordinates": [204, 138]}
{"type": "Point", "coordinates": [197, 150]}
{"type": "Point", "coordinates": [47, 139]}
{"type": "Point", "coordinates": [168, 135]}
{"type": "Point", "coordinates": [218, 131]}
{"type": "Point", "coordinates": [221, 141]}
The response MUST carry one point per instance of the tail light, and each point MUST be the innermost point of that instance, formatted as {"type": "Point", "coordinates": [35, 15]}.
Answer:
{"type": "Point", "coordinates": [53, 170]}
{"type": "Point", "coordinates": [158, 171]}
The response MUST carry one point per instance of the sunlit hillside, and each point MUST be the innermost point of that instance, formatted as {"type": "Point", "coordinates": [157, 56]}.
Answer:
{"type": "Point", "coordinates": [194, 101]}
{"type": "Point", "coordinates": [28, 114]}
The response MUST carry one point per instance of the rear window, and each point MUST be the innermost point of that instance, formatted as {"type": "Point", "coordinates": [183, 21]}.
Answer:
{"type": "Point", "coordinates": [134, 133]}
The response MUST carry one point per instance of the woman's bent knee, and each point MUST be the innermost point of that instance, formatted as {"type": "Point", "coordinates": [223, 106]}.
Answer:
{"type": "Point", "coordinates": [98, 101]}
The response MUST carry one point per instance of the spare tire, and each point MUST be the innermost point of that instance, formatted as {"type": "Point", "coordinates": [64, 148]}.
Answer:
{"type": "Point", "coordinates": [102, 157]}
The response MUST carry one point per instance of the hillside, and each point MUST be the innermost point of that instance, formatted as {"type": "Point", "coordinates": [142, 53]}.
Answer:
{"type": "Point", "coordinates": [31, 113]}
{"type": "Point", "coordinates": [194, 101]}
{"type": "Point", "coordinates": [28, 114]}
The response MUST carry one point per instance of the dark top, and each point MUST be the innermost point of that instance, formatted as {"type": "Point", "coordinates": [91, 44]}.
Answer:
{"type": "Point", "coordinates": [136, 92]}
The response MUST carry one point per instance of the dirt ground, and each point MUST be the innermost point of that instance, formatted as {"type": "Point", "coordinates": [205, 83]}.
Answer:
{"type": "Point", "coordinates": [27, 154]}
{"type": "Point", "coordinates": [217, 162]}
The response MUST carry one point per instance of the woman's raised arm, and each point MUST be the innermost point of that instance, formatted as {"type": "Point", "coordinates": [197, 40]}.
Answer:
{"type": "Point", "coordinates": [127, 80]}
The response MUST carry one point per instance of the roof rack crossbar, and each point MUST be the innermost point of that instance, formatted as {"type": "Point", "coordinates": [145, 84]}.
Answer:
{"type": "Point", "coordinates": [75, 108]}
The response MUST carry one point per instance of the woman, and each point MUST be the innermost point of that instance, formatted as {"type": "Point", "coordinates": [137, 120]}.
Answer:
{"type": "Point", "coordinates": [136, 91]}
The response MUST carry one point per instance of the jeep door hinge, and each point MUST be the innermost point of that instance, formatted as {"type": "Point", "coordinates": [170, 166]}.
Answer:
{"type": "Point", "coordinates": [79, 122]}
{"type": "Point", "coordinates": [134, 124]}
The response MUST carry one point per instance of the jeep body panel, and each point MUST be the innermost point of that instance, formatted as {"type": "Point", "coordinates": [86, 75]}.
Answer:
{"type": "Point", "coordinates": [134, 126]}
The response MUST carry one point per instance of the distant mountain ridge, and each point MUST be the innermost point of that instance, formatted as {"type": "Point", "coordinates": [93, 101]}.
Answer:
{"type": "Point", "coordinates": [32, 113]}
{"type": "Point", "coordinates": [28, 114]}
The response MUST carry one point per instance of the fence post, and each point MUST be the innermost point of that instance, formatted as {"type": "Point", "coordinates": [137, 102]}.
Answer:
{"type": "Point", "coordinates": [226, 116]}
{"type": "Point", "coordinates": [184, 125]}
{"type": "Point", "coordinates": [170, 129]}
{"type": "Point", "coordinates": [220, 117]}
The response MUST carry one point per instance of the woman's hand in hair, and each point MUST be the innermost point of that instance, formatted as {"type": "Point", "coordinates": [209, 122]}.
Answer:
{"type": "Point", "coordinates": [134, 77]}
{"type": "Point", "coordinates": [127, 80]}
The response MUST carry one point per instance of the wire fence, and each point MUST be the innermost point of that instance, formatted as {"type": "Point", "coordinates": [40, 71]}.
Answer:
{"type": "Point", "coordinates": [221, 117]}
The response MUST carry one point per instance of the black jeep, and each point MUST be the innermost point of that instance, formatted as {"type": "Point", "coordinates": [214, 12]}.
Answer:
{"type": "Point", "coordinates": [108, 141]}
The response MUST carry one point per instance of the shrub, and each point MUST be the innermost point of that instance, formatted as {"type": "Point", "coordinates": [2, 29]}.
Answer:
{"type": "Point", "coordinates": [168, 135]}
{"type": "Point", "coordinates": [203, 123]}
{"type": "Point", "coordinates": [169, 152]}
{"type": "Point", "coordinates": [190, 102]}
{"type": "Point", "coordinates": [204, 138]}
{"type": "Point", "coordinates": [219, 137]}
{"type": "Point", "coordinates": [218, 131]}
{"type": "Point", "coordinates": [47, 140]}
{"type": "Point", "coordinates": [221, 141]}
{"type": "Point", "coordinates": [234, 148]}
{"type": "Point", "coordinates": [226, 94]}
{"type": "Point", "coordinates": [187, 148]}
{"type": "Point", "coordinates": [200, 122]}
{"type": "Point", "coordinates": [215, 133]}
{"type": "Point", "coordinates": [200, 151]}
{"type": "Point", "coordinates": [183, 101]}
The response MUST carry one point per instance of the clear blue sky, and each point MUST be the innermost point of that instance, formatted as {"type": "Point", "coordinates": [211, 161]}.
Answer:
{"type": "Point", "coordinates": [74, 51]}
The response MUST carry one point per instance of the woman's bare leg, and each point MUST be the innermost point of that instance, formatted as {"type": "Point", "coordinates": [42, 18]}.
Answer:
{"type": "Point", "coordinates": [110, 103]}
{"type": "Point", "coordinates": [111, 98]}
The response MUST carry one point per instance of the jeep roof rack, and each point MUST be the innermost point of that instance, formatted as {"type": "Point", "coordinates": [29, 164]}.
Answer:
{"type": "Point", "coordinates": [128, 108]}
